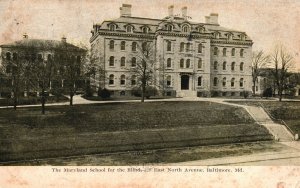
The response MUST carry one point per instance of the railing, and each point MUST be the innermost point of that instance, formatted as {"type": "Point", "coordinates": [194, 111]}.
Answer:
{"type": "Point", "coordinates": [281, 121]}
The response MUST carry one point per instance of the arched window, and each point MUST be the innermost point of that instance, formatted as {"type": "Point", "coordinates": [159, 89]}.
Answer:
{"type": "Point", "coordinates": [232, 66]}
{"type": "Point", "coordinates": [169, 80]}
{"type": "Point", "coordinates": [133, 80]}
{"type": "Point", "coordinates": [15, 56]}
{"type": "Point", "coordinates": [112, 27]}
{"type": "Point", "coordinates": [169, 27]}
{"type": "Point", "coordinates": [111, 44]}
{"type": "Point", "coordinates": [111, 79]}
{"type": "Point", "coordinates": [242, 52]}
{"type": "Point", "coordinates": [224, 51]}
{"type": "Point", "coordinates": [169, 62]}
{"type": "Point", "coordinates": [242, 37]}
{"type": "Point", "coordinates": [133, 62]}
{"type": "Point", "coordinates": [185, 28]}
{"type": "Point", "coordinates": [8, 56]}
{"type": "Point", "coordinates": [215, 65]}
{"type": "Point", "coordinates": [224, 65]}
{"type": "Point", "coordinates": [181, 47]}
{"type": "Point", "coordinates": [123, 45]}
{"type": "Point", "coordinates": [188, 63]}
{"type": "Point", "coordinates": [199, 63]}
{"type": "Point", "coordinates": [215, 50]}
{"type": "Point", "coordinates": [200, 48]}
{"type": "Point", "coordinates": [122, 80]}
{"type": "Point", "coordinates": [145, 29]}
{"type": "Point", "coordinates": [229, 36]}
{"type": "Point", "coordinates": [242, 82]}
{"type": "Point", "coordinates": [217, 35]}
{"type": "Point", "coordinates": [123, 60]}
{"type": "Point", "coordinates": [200, 81]}
{"type": "Point", "coordinates": [224, 82]}
{"type": "Point", "coordinates": [233, 52]}
{"type": "Point", "coordinates": [181, 63]}
{"type": "Point", "coordinates": [111, 61]}
{"type": "Point", "coordinates": [169, 46]}
{"type": "Point", "coordinates": [232, 82]}
{"type": "Point", "coordinates": [215, 81]}
{"type": "Point", "coordinates": [242, 66]}
{"type": "Point", "coordinates": [144, 46]}
{"type": "Point", "coordinates": [188, 45]}
{"type": "Point", "coordinates": [129, 29]}
{"type": "Point", "coordinates": [133, 47]}
{"type": "Point", "coordinates": [201, 29]}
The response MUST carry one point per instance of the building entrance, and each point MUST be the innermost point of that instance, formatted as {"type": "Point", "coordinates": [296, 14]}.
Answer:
{"type": "Point", "coordinates": [185, 82]}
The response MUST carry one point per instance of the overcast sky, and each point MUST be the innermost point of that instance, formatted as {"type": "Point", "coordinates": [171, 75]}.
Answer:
{"type": "Point", "coordinates": [266, 22]}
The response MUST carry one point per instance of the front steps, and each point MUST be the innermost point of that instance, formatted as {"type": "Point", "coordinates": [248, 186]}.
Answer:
{"type": "Point", "coordinates": [186, 93]}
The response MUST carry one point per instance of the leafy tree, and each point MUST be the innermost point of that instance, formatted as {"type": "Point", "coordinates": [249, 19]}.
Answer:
{"type": "Point", "coordinates": [259, 61]}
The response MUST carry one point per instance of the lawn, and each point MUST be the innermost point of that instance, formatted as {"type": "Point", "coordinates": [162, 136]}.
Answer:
{"type": "Point", "coordinates": [112, 127]}
{"type": "Point", "coordinates": [289, 111]}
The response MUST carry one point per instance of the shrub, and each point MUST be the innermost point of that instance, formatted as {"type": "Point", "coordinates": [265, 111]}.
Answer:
{"type": "Point", "coordinates": [245, 94]}
{"type": "Point", "coordinates": [104, 93]}
{"type": "Point", "coordinates": [150, 91]}
{"type": "Point", "coordinates": [267, 92]}
{"type": "Point", "coordinates": [89, 92]}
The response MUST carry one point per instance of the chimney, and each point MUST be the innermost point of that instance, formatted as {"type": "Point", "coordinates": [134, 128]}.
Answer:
{"type": "Point", "coordinates": [125, 10]}
{"type": "Point", "coordinates": [171, 10]}
{"type": "Point", "coordinates": [214, 18]}
{"type": "Point", "coordinates": [25, 36]}
{"type": "Point", "coordinates": [184, 12]}
{"type": "Point", "coordinates": [207, 19]}
{"type": "Point", "coordinates": [64, 39]}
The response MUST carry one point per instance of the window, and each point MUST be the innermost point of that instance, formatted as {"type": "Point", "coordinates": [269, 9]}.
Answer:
{"type": "Point", "coordinates": [232, 82]}
{"type": "Point", "coordinates": [111, 61]}
{"type": "Point", "coordinates": [15, 56]}
{"type": "Point", "coordinates": [169, 27]}
{"type": "Point", "coordinates": [122, 80]}
{"type": "Point", "coordinates": [215, 51]}
{"type": "Point", "coordinates": [181, 63]}
{"type": "Point", "coordinates": [8, 56]}
{"type": "Point", "coordinates": [224, 82]}
{"type": "Point", "coordinates": [217, 35]}
{"type": "Point", "coordinates": [224, 65]}
{"type": "Point", "coordinates": [144, 47]}
{"type": "Point", "coordinates": [233, 52]}
{"type": "Point", "coordinates": [201, 29]}
{"type": "Point", "coordinates": [112, 27]}
{"type": "Point", "coordinates": [133, 80]}
{"type": "Point", "coordinates": [129, 29]}
{"type": "Point", "coordinates": [224, 51]}
{"type": "Point", "coordinates": [199, 63]}
{"type": "Point", "coordinates": [188, 45]}
{"type": "Point", "coordinates": [200, 48]}
{"type": "Point", "coordinates": [242, 52]}
{"type": "Point", "coordinates": [242, 66]}
{"type": "Point", "coordinates": [185, 29]}
{"type": "Point", "coordinates": [215, 81]}
{"type": "Point", "coordinates": [123, 61]}
{"type": "Point", "coordinates": [229, 36]}
{"type": "Point", "coordinates": [123, 45]}
{"type": "Point", "coordinates": [169, 80]}
{"type": "Point", "coordinates": [133, 47]}
{"type": "Point", "coordinates": [242, 37]}
{"type": "Point", "coordinates": [169, 62]}
{"type": "Point", "coordinates": [111, 44]}
{"type": "Point", "coordinates": [232, 66]}
{"type": "Point", "coordinates": [133, 62]}
{"type": "Point", "coordinates": [215, 65]}
{"type": "Point", "coordinates": [111, 79]}
{"type": "Point", "coordinates": [200, 81]}
{"type": "Point", "coordinates": [169, 46]}
{"type": "Point", "coordinates": [242, 82]}
{"type": "Point", "coordinates": [188, 63]}
{"type": "Point", "coordinates": [181, 47]}
{"type": "Point", "coordinates": [145, 29]}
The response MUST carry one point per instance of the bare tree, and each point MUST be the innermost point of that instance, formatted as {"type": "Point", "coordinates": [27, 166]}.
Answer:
{"type": "Point", "coordinates": [259, 61]}
{"type": "Point", "coordinates": [281, 61]}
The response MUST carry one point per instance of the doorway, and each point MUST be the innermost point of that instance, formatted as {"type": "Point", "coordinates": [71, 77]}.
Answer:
{"type": "Point", "coordinates": [185, 82]}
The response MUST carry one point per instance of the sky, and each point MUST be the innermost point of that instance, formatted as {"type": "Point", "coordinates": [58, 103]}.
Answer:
{"type": "Point", "coordinates": [267, 22]}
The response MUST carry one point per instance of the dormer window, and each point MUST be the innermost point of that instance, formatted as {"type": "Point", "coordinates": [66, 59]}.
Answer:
{"type": "Point", "coordinates": [216, 35]}
{"type": "Point", "coordinates": [145, 29]}
{"type": "Point", "coordinates": [169, 27]}
{"type": "Point", "coordinates": [229, 36]}
{"type": "Point", "coordinates": [242, 37]}
{"type": "Point", "coordinates": [112, 27]}
{"type": "Point", "coordinates": [200, 29]}
{"type": "Point", "coordinates": [129, 29]}
{"type": "Point", "coordinates": [185, 29]}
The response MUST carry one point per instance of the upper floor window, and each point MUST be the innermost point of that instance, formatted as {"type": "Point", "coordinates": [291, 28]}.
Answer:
{"type": "Point", "coordinates": [242, 52]}
{"type": "Point", "coordinates": [242, 37]}
{"type": "Point", "coordinates": [133, 80]}
{"type": "Point", "coordinates": [111, 79]}
{"type": "Point", "coordinates": [133, 47]}
{"type": "Point", "coordinates": [8, 56]}
{"type": "Point", "coordinates": [169, 27]}
{"type": "Point", "coordinates": [169, 62]}
{"type": "Point", "coordinates": [201, 29]}
{"type": "Point", "coordinates": [232, 66]}
{"type": "Point", "coordinates": [200, 48]}
{"type": "Point", "coordinates": [123, 45]}
{"type": "Point", "coordinates": [242, 66]}
{"type": "Point", "coordinates": [181, 63]}
{"type": "Point", "coordinates": [169, 80]}
{"type": "Point", "coordinates": [229, 36]}
{"type": "Point", "coordinates": [199, 63]}
{"type": "Point", "coordinates": [200, 81]}
{"type": "Point", "coordinates": [232, 82]}
{"type": "Point", "coordinates": [233, 52]}
{"type": "Point", "coordinates": [215, 81]}
{"type": "Point", "coordinates": [181, 47]}
{"type": "Point", "coordinates": [242, 82]}
{"type": "Point", "coordinates": [224, 81]}
{"type": "Point", "coordinates": [122, 80]}
{"type": "Point", "coordinates": [215, 65]}
{"type": "Point", "coordinates": [169, 46]}
{"type": "Point", "coordinates": [224, 51]}
{"type": "Point", "coordinates": [188, 63]}
{"type": "Point", "coordinates": [112, 27]}
{"type": "Point", "coordinates": [224, 65]}
{"type": "Point", "coordinates": [188, 46]}
{"type": "Point", "coordinates": [215, 50]}
{"type": "Point", "coordinates": [123, 60]}
{"type": "Point", "coordinates": [133, 62]}
{"type": "Point", "coordinates": [111, 61]}
{"type": "Point", "coordinates": [145, 29]}
{"type": "Point", "coordinates": [217, 35]}
{"type": "Point", "coordinates": [185, 28]}
{"type": "Point", "coordinates": [111, 44]}
{"type": "Point", "coordinates": [129, 29]}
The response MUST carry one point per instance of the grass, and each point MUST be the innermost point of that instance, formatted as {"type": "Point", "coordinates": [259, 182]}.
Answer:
{"type": "Point", "coordinates": [32, 100]}
{"type": "Point", "coordinates": [289, 111]}
{"type": "Point", "coordinates": [100, 128]}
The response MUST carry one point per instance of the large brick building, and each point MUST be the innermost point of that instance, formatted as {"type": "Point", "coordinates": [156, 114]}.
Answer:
{"type": "Point", "coordinates": [191, 58]}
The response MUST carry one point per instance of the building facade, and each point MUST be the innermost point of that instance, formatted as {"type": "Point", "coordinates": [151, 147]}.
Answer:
{"type": "Point", "coordinates": [191, 59]}
{"type": "Point", "coordinates": [28, 62]}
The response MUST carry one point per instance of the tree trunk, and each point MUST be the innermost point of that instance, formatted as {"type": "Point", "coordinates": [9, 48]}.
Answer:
{"type": "Point", "coordinates": [254, 88]}
{"type": "Point", "coordinates": [143, 92]}
{"type": "Point", "coordinates": [71, 99]}
{"type": "Point", "coordinates": [15, 102]}
{"type": "Point", "coordinates": [43, 101]}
